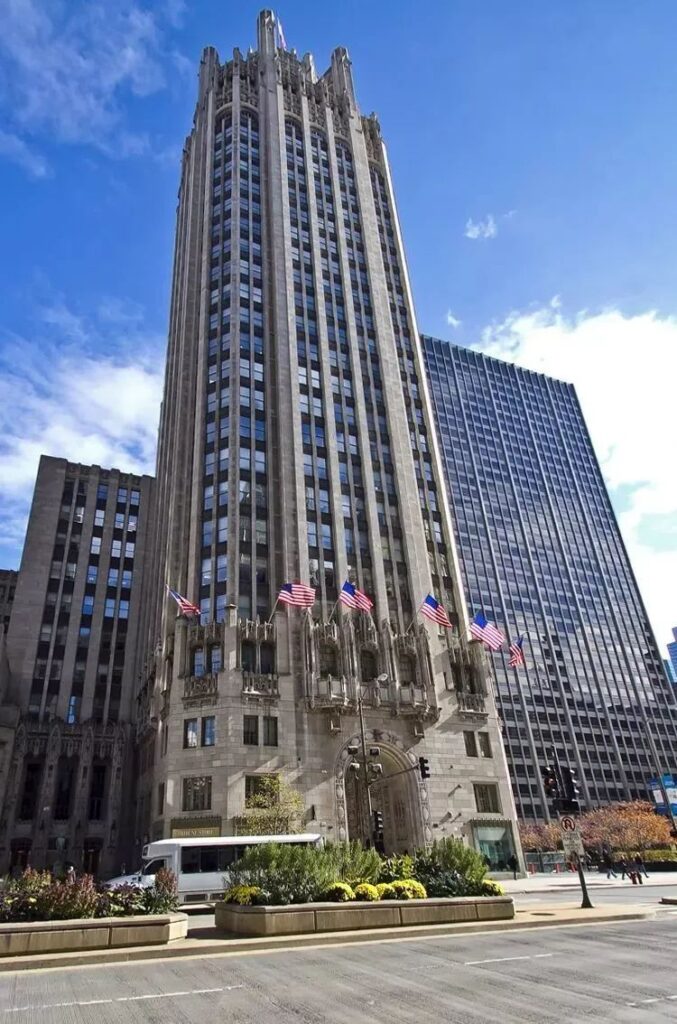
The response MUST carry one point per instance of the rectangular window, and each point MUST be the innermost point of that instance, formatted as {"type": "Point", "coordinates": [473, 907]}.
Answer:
{"type": "Point", "coordinates": [269, 731]}
{"type": "Point", "coordinates": [250, 730]}
{"type": "Point", "coordinates": [485, 744]}
{"type": "Point", "coordinates": [109, 610]}
{"type": "Point", "coordinates": [95, 547]}
{"type": "Point", "coordinates": [197, 793]}
{"type": "Point", "coordinates": [189, 732]}
{"type": "Point", "coordinates": [115, 548]}
{"type": "Point", "coordinates": [209, 731]}
{"type": "Point", "coordinates": [161, 798]}
{"type": "Point", "coordinates": [486, 798]}
{"type": "Point", "coordinates": [470, 744]}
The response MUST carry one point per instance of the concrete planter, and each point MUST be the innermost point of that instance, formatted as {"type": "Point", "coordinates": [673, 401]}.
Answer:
{"type": "Point", "coordinates": [334, 917]}
{"type": "Point", "coordinates": [91, 933]}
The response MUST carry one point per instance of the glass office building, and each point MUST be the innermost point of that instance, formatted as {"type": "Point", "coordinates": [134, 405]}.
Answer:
{"type": "Point", "coordinates": [541, 554]}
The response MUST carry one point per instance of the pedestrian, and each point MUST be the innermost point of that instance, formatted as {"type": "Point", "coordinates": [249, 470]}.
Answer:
{"type": "Point", "coordinates": [513, 864]}
{"type": "Point", "coordinates": [623, 865]}
{"type": "Point", "coordinates": [640, 867]}
{"type": "Point", "coordinates": [609, 865]}
{"type": "Point", "coordinates": [70, 874]}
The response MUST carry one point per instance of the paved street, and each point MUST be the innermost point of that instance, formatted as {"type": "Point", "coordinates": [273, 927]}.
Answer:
{"type": "Point", "coordinates": [620, 973]}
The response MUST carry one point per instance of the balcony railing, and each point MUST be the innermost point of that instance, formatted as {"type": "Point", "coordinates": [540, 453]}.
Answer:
{"type": "Point", "coordinates": [471, 704]}
{"type": "Point", "coordinates": [200, 686]}
{"type": "Point", "coordinates": [258, 684]}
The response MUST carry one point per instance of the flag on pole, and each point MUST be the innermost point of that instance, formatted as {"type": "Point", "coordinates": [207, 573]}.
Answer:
{"type": "Point", "coordinates": [281, 41]}
{"type": "Point", "coordinates": [186, 607]}
{"type": "Point", "coordinates": [299, 595]}
{"type": "Point", "coordinates": [351, 597]}
{"type": "Point", "coordinates": [516, 653]}
{"type": "Point", "coordinates": [484, 630]}
{"type": "Point", "coordinates": [433, 610]}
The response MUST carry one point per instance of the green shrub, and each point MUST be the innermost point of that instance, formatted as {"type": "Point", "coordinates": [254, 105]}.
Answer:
{"type": "Point", "coordinates": [396, 867]}
{"type": "Point", "coordinates": [162, 897]}
{"type": "Point", "coordinates": [338, 892]}
{"type": "Point", "coordinates": [286, 873]}
{"type": "Point", "coordinates": [654, 855]}
{"type": "Point", "coordinates": [366, 892]}
{"type": "Point", "coordinates": [408, 889]}
{"type": "Point", "coordinates": [385, 891]}
{"type": "Point", "coordinates": [125, 901]}
{"type": "Point", "coordinates": [244, 895]}
{"type": "Point", "coordinates": [451, 855]}
{"type": "Point", "coordinates": [352, 863]}
{"type": "Point", "coordinates": [491, 888]}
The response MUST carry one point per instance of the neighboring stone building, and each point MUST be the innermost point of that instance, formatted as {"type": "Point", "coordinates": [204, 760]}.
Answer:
{"type": "Point", "coordinates": [67, 706]}
{"type": "Point", "coordinates": [8, 579]}
{"type": "Point", "coordinates": [541, 554]}
{"type": "Point", "coordinates": [297, 444]}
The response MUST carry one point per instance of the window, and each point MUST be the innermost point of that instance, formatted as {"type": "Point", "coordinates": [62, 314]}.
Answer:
{"type": "Point", "coordinates": [161, 798]}
{"type": "Point", "coordinates": [470, 744]}
{"type": "Point", "coordinates": [215, 659]}
{"type": "Point", "coordinates": [198, 661]}
{"type": "Point", "coordinates": [269, 731]}
{"type": "Point", "coordinates": [113, 577]}
{"type": "Point", "coordinates": [88, 604]}
{"type": "Point", "coordinates": [197, 793]}
{"type": "Point", "coordinates": [250, 730]}
{"type": "Point", "coordinates": [485, 744]}
{"type": "Point", "coordinates": [254, 785]}
{"type": "Point", "coordinates": [486, 798]}
{"type": "Point", "coordinates": [109, 610]}
{"type": "Point", "coordinates": [189, 732]}
{"type": "Point", "coordinates": [115, 548]}
{"type": "Point", "coordinates": [95, 547]}
{"type": "Point", "coordinates": [208, 731]}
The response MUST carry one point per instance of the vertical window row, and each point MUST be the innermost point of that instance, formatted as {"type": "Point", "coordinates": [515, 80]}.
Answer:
{"type": "Point", "coordinates": [432, 518]}
{"type": "Point", "coordinates": [320, 534]}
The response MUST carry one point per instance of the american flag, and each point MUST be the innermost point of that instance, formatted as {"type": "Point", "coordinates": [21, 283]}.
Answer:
{"type": "Point", "coordinates": [300, 595]}
{"type": "Point", "coordinates": [281, 41]}
{"type": "Point", "coordinates": [484, 630]}
{"type": "Point", "coordinates": [186, 607]}
{"type": "Point", "coordinates": [432, 609]}
{"type": "Point", "coordinates": [354, 598]}
{"type": "Point", "coordinates": [516, 653]}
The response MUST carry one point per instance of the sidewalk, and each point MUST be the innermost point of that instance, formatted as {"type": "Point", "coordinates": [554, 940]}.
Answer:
{"type": "Point", "coordinates": [553, 882]}
{"type": "Point", "coordinates": [211, 942]}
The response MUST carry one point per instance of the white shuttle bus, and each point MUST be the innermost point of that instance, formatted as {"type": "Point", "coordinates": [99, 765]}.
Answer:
{"type": "Point", "coordinates": [201, 865]}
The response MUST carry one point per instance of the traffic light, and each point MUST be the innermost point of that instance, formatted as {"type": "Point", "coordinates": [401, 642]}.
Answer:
{"type": "Point", "coordinates": [424, 767]}
{"type": "Point", "coordinates": [570, 803]}
{"type": "Point", "coordinates": [378, 822]}
{"type": "Point", "coordinates": [550, 782]}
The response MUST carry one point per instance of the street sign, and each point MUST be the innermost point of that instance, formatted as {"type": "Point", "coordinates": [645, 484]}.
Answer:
{"type": "Point", "coordinates": [568, 824]}
{"type": "Point", "coordinates": [572, 844]}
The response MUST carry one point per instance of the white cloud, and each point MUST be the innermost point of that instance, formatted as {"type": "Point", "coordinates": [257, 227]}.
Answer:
{"type": "Point", "coordinates": [486, 228]}
{"type": "Point", "coordinates": [66, 69]}
{"type": "Point", "coordinates": [15, 149]}
{"type": "Point", "coordinates": [452, 321]}
{"type": "Point", "coordinates": [61, 394]}
{"type": "Point", "coordinates": [624, 369]}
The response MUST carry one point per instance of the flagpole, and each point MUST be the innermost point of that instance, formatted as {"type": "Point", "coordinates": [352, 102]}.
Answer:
{"type": "Point", "coordinates": [413, 620]}
{"type": "Point", "coordinates": [331, 613]}
{"type": "Point", "coordinates": [273, 611]}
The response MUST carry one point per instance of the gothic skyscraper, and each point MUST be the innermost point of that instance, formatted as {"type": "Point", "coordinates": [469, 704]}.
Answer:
{"type": "Point", "coordinates": [297, 444]}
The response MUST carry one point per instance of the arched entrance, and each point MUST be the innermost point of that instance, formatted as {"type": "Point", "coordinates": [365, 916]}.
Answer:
{"type": "Point", "coordinates": [396, 794]}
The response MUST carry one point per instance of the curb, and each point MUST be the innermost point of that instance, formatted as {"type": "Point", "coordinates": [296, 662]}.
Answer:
{"type": "Point", "coordinates": [241, 947]}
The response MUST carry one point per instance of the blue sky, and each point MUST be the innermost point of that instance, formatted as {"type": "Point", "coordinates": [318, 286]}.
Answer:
{"type": "Point", "coordinates": [534, 157]}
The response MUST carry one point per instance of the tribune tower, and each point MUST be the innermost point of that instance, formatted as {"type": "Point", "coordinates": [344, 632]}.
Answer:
{"type": "Point", "coordinates": [297, 444]}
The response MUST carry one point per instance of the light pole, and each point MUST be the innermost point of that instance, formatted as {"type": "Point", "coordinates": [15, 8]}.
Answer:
{"type": "Point", "coordinates": [364, 767]}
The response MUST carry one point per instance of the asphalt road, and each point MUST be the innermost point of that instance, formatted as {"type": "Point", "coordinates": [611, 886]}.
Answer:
{"type": "Point", "coordinates": [620, 973]}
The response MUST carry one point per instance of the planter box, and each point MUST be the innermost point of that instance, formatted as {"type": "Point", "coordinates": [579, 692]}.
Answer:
{"type": "Point", "coordinates": [336, 917]}
{"type": "Point", "coordinates": [91, 933]}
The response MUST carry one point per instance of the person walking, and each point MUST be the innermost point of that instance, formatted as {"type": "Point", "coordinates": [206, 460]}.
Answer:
{"type": "Point", "coordinates": [622, 864]}
{"type": "Point", "coordinates": [609, 865]}
{"type": "Point", "coordinates": [640, 867]}
{"type": "Point", "coordinates": [513, 864]}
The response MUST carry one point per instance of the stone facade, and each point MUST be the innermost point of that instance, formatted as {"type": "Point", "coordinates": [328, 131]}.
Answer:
{"type": "Point", "coordinates": [66, 751]}
{"type": "Point", "coordinates": [8, 578]}
{"type": "Point", "coordinates": [297, 443]}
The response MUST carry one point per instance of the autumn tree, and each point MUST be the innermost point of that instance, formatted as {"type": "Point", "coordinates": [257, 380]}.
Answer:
{"type": "Point", "coordinates": [538, 836]}
{"type": "Point", "coordinates": [274, 809]}
{"type": "Point", "coordinates": [625, 826]}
